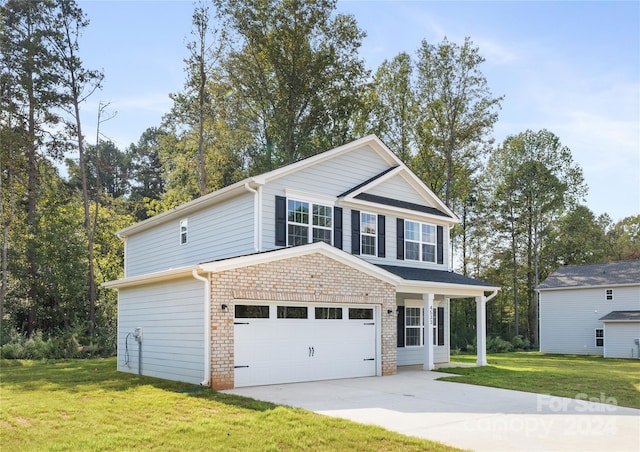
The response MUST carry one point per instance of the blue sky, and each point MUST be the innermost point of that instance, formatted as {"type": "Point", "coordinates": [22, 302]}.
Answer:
{"type": "Point", "coordinates": [570, 67]}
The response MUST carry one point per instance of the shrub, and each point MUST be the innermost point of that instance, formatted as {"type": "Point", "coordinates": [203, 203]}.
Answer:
{"type": "Point", "coordinates": [12, 351]}
{"type": "Point", "coordinates": [498, 345]}
{"type": "Point", "coordinates": [520, 343]}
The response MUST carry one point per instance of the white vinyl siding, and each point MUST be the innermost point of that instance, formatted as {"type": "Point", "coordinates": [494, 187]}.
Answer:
{"type": "Point", "coordinates": [620, 339]}
{"type": "Point", "coordinates": [217, 232]}
{"type": "Point", "coordinates": [329, 178]}
{"type": "Point", "coordinates": [569, 317]}
{"type": "Point", "coordinates": [398, 188]}
{"type": "Point", "coordinates": [171, 315]}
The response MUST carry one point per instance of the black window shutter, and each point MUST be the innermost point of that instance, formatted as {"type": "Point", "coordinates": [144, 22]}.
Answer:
{"type": "Point", "coordinates": [440, 326]}
{"type": "Point", "coordinates": [400, 326]}
{"type": "Point", "coordinates": [440, 247]}
{"type": "Point", "coordinates": [281, 221]}
{"type": "Point", "coordinates": [337, 227]}
{"type": "Point", "coordinates": [400, 238]}
{"type": "Point", "coordinates": [381, 236]}
{"type": "Point", "coordinates": [355, 232]}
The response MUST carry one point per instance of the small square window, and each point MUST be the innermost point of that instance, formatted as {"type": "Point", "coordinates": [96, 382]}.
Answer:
{"type": "Point", "coordinates": [609, 295]}
{"type": "Point", "coordinates": [360, 314]}
{"type": "Point", "coordinates": [246, 311]}
{"type": "Point", "coordinates": [329, 313]}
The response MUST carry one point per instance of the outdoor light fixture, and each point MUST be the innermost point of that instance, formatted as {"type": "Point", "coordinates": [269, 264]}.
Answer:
{"type": "Point", "coordinates": [224, 307]}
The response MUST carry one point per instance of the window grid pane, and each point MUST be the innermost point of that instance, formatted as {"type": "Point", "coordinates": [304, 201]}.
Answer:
{"type": "Point", "coordinates": [329, 313]}
{"type": "Point", "coordinates": [292, 312]}
{"type": "Point", "coordinates": [321, 235]}
{"type": "Point", "coordinates": [298, 235]}
{"type": "Point", "coordinates": [322, 216]}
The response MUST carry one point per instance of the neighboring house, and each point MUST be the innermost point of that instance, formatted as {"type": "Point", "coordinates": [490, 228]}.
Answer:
{"type": "Point", "coordinates": [592, 309]}
{"type": "Point", "coordinates": [331, 267]}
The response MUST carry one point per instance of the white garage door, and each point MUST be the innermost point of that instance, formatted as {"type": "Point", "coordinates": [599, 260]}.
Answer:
{"type": "Point", "coordinates": [283, 343]}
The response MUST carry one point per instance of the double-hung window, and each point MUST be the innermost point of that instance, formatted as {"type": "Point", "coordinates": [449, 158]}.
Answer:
{"type": "Point", "coordinates": [599, 337]}
{"type": "Point", "coordinates": [420, 241]}
{"type": "Point", "coordinates": [368, 233]}
{"type": "Point", "coordinates": [308, 222]}
{"type": "Point", "coordinates": [414, 327]}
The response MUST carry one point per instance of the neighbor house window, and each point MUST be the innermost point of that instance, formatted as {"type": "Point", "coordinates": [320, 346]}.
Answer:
{"type": "Point", "coordinates": [368, 234]}
{"type": "Point", "coordinates": [308, 222]}
{"type": "Point", "coordinates": [420, 241]}
{"type": "Point", "coordinates": [608, 295]}
{"type": "Point", "coordinates": [183, 231]}
{"type": "Point", "coordinates": [599, 337]}
{"type": "Point", "coordinates": [414, 327]}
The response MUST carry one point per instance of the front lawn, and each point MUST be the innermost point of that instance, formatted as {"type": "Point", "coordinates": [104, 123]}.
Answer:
{"type": "Point", "coordinates": [586, 377]}
{"type": "Point", "coordinates": [87, 405]}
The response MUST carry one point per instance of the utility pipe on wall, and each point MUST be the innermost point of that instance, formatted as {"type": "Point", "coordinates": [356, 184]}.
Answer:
{"type": "Point", "coordinates": [207, 326]}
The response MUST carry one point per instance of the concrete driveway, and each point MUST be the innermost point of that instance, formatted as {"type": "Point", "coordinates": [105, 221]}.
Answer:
{"type": "Point", "coordinates": [414, 403]}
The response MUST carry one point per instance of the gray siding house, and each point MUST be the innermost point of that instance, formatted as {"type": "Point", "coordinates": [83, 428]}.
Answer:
{"type": "Point", "coordinates": [335, 266]}
{"type": "Point", "coordinates": [592, 310]}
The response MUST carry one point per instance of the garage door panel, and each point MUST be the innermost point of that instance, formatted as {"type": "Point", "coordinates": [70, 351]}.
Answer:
{"type": "Point", "coordinates": [276, 350]}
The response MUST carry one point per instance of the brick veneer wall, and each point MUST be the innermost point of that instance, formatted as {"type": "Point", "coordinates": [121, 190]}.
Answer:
{"type": "Point", "coordinates": [311, 278]}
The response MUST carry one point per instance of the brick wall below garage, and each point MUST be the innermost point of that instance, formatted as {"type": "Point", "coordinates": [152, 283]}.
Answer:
{"type": "Point", "coordinates": [311, 278]}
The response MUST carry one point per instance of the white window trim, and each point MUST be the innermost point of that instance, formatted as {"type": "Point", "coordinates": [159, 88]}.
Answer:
{"type": "Point", "coordinates": [595, 334]}
{"type": "Point", "coordinates": [184, 231]}
{"type": "Point", "coordinates": [365, 234]}
{"type": "Point", "coordinates": [310, 226]}
{"type": "Point", "coordinates": [420, 306]}
{"type": "Point", "coordinates": [420, 242]}
{"type": "Point", "coordinates": [607, 295]}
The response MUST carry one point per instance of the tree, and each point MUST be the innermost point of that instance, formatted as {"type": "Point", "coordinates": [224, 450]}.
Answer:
{"type": "Point", "coordinates": [31, 74]}
{"type": "Point", "coordinates": [391, 106]}
{"type": "Point", "coordinates": [578, 237]}
{"type": "Point", "coordinates": [456, 114]}
{"type": "Point", "coordinates": [624, 239]}
{"type": "Point", "coordinates": [532, 180]}
{"type": "Point", "coordinates": [78, 83]}
{"type": "Point", "coordinates": [296, 72]}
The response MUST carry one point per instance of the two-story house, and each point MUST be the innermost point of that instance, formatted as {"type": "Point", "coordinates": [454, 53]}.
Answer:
{"type": "Point", "coordinates": [335, 266]}
{"type": "Point", "coordinates": [592, 309]}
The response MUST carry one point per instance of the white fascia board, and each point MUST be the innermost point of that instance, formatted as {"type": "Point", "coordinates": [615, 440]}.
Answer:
{"type": "Point", "coordinates": [397, 211]}
{"type": "Point", "coordinates": [150, 278]}
{"type": "Point", "coordinates": [370, 140]}
{"type": "Point", "coordinates": [599, 286]}
{"type": "Point", "coordinates": [413, 180]}
{"type": "Point", "coordinates": [207, 200]}
{"type": "Point", "coordinates": [446, 289]}
{"type": "Point", "coordinates": [298, 251]}
{"type": "Point", "coordinates": [621, 321]}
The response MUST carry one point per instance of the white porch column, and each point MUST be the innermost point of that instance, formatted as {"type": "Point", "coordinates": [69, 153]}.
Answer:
{"type": "Point", "coordinates": [428, 331]}
{"type": "Point", "coordinates": [481, 329]}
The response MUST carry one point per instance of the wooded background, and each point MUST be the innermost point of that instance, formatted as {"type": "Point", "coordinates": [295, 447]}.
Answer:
{"type": "Point", "coordinates": [267, 83]}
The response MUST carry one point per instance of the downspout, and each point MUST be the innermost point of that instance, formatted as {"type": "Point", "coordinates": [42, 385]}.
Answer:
{"type": "Point", "coordinates": [207, 326]}
{"type": "Point", "coordinates": [490, 297]}
{"type": "Point", "coordinates": [256, 220]}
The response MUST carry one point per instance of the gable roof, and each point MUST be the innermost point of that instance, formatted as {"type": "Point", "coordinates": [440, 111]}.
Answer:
{"type": "Point", "coordinates": [622, 273]}
{"type": "Point", "coordinates": [248, 185]}
{"type": "Point", "coordinates": [621, 316]}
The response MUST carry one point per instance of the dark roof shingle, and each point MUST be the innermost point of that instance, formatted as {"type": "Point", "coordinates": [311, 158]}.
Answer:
{"type": "Point", "coordinates": [609, 274]}
{"type": "Point", "coordinates": [622, 316]}
{"type": "Point", "coordinates": [423, 274]}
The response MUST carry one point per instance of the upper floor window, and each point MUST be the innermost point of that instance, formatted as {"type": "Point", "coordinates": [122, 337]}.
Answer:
{"type": "Point", "coordinates": [609, 295]}
{"type": "Point", "coordinates": [420, 241]}
{"type": "Point", "coordinates": [368, 233]}
{"type": "Point", "coordinates": [184, 226]}
{"type": "Point", "coordinates": [308, 222]}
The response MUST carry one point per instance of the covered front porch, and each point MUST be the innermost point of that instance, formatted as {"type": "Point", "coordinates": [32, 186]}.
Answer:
{"type": "Point", "coordinates": [423, 300]}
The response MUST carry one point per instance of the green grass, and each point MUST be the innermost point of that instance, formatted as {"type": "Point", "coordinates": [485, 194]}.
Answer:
{"type": "Point", "coordinates": [87, 405]}
{"type": "Point", "coordinates": [559, 375]}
